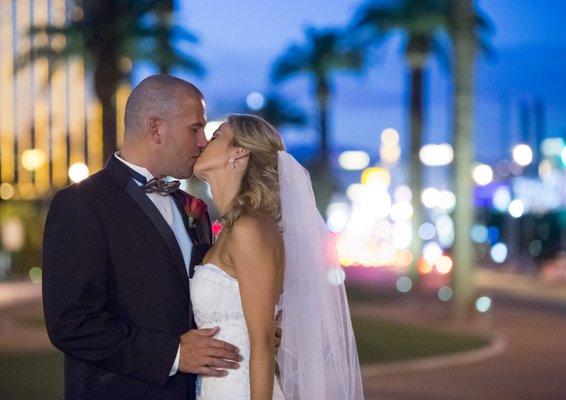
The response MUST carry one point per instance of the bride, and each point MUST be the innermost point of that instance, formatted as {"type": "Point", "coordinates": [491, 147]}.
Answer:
{"type": "Point", "coordinates": [273, 253]}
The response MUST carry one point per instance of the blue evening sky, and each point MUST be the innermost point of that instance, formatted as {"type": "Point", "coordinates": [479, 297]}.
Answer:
{"type": "Point", "coordinates": [240, 39]}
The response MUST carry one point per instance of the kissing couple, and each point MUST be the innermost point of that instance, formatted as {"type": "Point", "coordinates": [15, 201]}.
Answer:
{"type": "Point", "coordinates": [146, 303]}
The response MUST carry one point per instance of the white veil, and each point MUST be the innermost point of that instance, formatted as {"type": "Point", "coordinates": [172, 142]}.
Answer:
{"type": "Point", "coordinates": [318, 358]}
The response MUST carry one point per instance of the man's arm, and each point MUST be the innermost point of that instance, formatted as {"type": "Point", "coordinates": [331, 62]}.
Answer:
{"type": "Point", "coordinates": [75, 281]}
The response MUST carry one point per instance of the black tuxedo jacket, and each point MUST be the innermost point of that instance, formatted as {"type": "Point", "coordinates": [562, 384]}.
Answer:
{"type": "Point", "coordinates": [115, 289]}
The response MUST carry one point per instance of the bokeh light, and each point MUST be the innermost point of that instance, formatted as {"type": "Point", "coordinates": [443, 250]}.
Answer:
{"type": "Point", "coordinates": [78, 172]}
{"type": "Point", "coordinates": [522, 154]}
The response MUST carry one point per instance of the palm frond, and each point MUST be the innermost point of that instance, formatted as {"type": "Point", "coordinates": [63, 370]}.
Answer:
{"type": "Point", "coordinates": [292, 61]}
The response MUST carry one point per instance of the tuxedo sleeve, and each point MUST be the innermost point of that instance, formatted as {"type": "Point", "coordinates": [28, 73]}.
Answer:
{"type": "Point", "coordinates": [75, 279]}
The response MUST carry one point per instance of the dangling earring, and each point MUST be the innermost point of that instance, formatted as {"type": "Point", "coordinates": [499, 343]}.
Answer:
{"type": "Point", "coordinates": [232, 162]}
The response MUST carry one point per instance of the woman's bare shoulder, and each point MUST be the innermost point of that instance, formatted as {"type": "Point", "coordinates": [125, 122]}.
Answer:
{"type": "Point", "coordinates": [256, 230]}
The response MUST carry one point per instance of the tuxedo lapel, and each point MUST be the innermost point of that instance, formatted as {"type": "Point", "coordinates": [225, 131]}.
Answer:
{"type": "Point", "coordinates": [147, 206]}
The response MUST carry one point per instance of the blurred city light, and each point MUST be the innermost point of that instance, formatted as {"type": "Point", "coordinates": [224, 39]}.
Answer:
{"type": "Point", "coordinates": [389, 150]}
{"type": "Point", "coordinates": [545, 169]}
{"type": "Point", "coordinates": [13, 234]}
{"type": "Point", "coordinates": [338, 215]}
{"type": "Point", "coordinates": [355, 192]}
{"type": "Point", "coordinates": [427, 231]}
{"type": "Point", "coordinates": [479, 233]}
{"type": "Point", "coordinates": [552, 147]}
{"type": "Point", "coordinates": [336, 276]}
{"type": "Point", "coordinates": [483, 304]}
{"type": "Point", "coordinates": [501, 198]}
{"type": "Point", "coordinates": [431, 197]}
{"type": "Point", "coordinates": [403, 193]}
{"type": "Point", "coordinates": [482, 174]}
{"type": "Point", "coordinates": [447, 200]}
{"type": "Point", "coordinates": [445, 230]}
{"type": "Point", "coordinates": [516, 208]}
{"type": "Point", "coordinates": [376, 174]}
{"type": "Point", "coordinates": [503, 167]}
{"type": "Point", "coordinates": [499, 252]}
{"type": "Point", "coordinates": [404, 284]}
{"type": "Point", "coordinates": [444, 265]}
{"type": "Point", "coordinates": [436, 154]}
{"type": "Point", "coordinates": [353, 160]}
{"type": "Point", "coordinates": [445, 293]}
{"type": "Point", "coordinates": [535, 247]}
{"type": "Point", "coordinates": [401, 235]}
{"type": "Point", "coordinates": [35, 275]}
{"type": "Point", "coordinates": [401, 211]}
{"type": "Point", "coordinates": [32, 159]}
{"type": "Point", "coordinates": [424, 267]}
{"type": "Point", "coordinates": [432, 252]}
{"type": "Point", "coordinates": [6, 191]}
{"type": "Point", "coordinates": [78, 172]}
{"type": "Point", "coordinates": [522, 154]}
{"type": "Point", "coordinates": [255, 101]}
{"type": "Point", "coordinates": [390, 136]}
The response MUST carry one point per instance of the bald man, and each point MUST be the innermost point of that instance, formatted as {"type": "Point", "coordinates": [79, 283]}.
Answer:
{"type": "Point", "coordinates": [117, 256]}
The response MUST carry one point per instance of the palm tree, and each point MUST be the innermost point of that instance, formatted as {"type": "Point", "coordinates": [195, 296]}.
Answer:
{"type": "Point", "coordinates": [468, 30]}
{"type": "Point", "coordinates": [422, 22]}
{"type": "Point", "coordinates": [324, 52]}
{"type": "Point", "coordinates": [280, 112]}
{"type": "Point", "coordinates": [109, 35]}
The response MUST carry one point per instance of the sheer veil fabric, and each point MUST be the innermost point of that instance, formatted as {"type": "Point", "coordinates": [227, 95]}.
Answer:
{"type": "Point", "coordinates": [318, 358]}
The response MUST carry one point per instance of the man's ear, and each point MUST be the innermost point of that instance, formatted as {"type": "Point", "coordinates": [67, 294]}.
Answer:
{"type": "Point", "coordinates": [153, 126]}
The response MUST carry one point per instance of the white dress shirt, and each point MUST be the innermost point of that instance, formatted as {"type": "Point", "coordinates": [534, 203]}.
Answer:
{"type": "Point", "coordinates": [171, 214]}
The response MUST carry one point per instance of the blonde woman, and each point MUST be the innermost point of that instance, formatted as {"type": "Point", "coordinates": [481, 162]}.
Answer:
{"type": "Point", "coordinates": [273, 253]}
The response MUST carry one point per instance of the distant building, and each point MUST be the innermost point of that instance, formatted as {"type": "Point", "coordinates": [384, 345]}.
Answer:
{"type": "Point", "coordinates": [46, 125]}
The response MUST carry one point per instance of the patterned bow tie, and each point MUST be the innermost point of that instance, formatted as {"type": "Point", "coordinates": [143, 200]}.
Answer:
{"type": "Point", "coordinates": [162, 187]}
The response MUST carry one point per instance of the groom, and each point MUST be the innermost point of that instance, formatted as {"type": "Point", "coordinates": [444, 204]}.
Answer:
{"type": "Point", "coordinates": [118, 251]}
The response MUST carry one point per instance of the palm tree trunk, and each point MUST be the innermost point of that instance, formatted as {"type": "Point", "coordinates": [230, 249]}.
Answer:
{"type": "Point", "coordinates": [322, 97]}
{"type": "Point", "coordinates": [464, 53]}
{"type": "Point", "coordinates": [415, 170]}
{"type": "Point", "coordinates": [321, 174]}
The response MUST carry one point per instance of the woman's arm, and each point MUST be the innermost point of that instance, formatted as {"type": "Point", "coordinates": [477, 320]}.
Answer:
{"type": "Point", "coordinates": [255, 252]}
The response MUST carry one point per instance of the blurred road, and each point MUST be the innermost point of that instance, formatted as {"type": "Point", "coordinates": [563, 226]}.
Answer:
{"type": "Point", "coordinates": [532, 366]}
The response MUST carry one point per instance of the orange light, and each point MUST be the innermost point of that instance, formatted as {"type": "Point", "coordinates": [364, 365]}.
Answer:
{"type": "Point", "coordinates": [424, 267]}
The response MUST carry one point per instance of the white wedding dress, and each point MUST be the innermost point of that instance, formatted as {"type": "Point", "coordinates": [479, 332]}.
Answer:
{"type": "Point", "coordinates": [216, 302]}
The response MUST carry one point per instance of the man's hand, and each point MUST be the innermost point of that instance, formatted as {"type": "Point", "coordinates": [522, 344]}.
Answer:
{"type": "Point", "coordinates": [204, 355]}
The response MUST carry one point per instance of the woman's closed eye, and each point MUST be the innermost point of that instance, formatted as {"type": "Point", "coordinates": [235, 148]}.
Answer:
{"type": "Point", "coordinates": [215, 135]}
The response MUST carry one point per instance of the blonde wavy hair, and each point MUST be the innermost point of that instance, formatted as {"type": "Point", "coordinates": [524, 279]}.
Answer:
{"type": "Point", "coordinates": [260, 184]}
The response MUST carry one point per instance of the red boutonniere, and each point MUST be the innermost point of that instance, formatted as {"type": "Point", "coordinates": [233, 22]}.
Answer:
{"type": "Point", "coordinates": [195, 208]}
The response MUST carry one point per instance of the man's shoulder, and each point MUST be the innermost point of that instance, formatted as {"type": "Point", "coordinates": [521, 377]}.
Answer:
{"type": "Point", "coordinates": [99, 183]}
